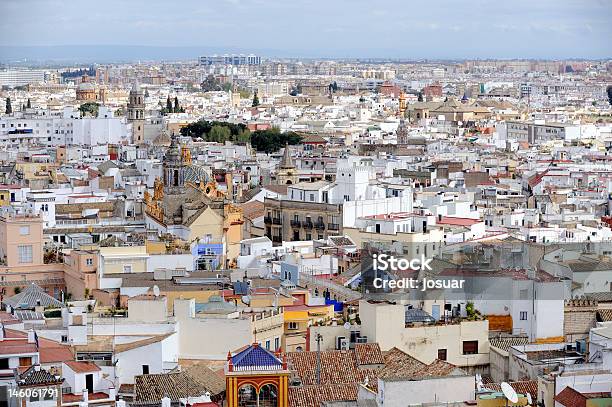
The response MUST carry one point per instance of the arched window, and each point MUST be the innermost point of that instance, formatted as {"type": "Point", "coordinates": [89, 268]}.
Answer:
{"type": "Point", "coordinates": [247, 396]}
{"type": "Point", "coordinates": [268, 396]}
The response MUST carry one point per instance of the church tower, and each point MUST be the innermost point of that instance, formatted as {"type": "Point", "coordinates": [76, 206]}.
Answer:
{"type": "Point", "coordinates": [286, 173]}
{"type": "Point", "coordinates": [402, 130]}
{"type": "Point", "coordinates": [174, 168]}
{"type": "Point", "coordinates": [256, 377]}
{"type": "Point", "coordinates": [135, 113]}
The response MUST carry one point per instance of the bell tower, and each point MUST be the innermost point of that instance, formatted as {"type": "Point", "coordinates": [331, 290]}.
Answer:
{"type": "Point", "coordinates": [174, 167]}
{"type": "Point", "coordinates": [256, 377]}
{"type": "Point", "coordinates": [135, 113]}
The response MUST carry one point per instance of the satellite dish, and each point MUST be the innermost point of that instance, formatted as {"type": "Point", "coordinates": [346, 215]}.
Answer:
{"type": "Point", "coordinates": [509, 392]}
{"type": "Point", "coordinates": [347, 325]}
{"type": "Point", "coordinates": [156, 290]}
{"type": "Point", "coordinates": [529, 399]}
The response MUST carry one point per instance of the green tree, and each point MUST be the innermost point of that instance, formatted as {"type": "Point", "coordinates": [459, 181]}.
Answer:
{"type": "Point", "coordinates": [219, 134]}
{"type": "Point", "coordinates": [169, 104]}
{"type": "Point", "coordinates": [203, 129]}
{"type": "Point", "coordinates": [177, 107]}
{"type": "Point", "coordinates": [272, 140]}
{"type": "Point", "coordinates": [9, 108]}
{"type": "Point", "coordinates": [90, 108]}
{"type": "Point", "coordinates": [420, 97]}
{"type": "Point", "coordinates": [146, 93]}
{"type": "Point", "coordinates": [609, 91]}
{"type": "Point", "coordinates": [29, 104]}
{"type": "Point", "coordinates": [255, 100]}
{"type": "Point", "coordinates": [244, 94]}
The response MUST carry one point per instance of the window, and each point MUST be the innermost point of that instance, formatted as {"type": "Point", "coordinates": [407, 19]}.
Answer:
{"type": "Point", "coordinates": [470, 347]}
{"type": "Point", "coordinates": [442, 354]}
{"type": "Point", "coordinates": [25, 361]}
{"type": "Point", "coordinates": [25, 254]}
{"type": "Point", "coordinates": [145, 369]}
{"type": "Point", "coordinates": [4, 363]}
{"type": "Point", "coordinates": [34, 396]}
{"type": "Point", "coordinates": [127, 268]}
{"type": "Point", "coordinates": [292, 325]}
{"type": "Point", "coordinates": [23, 230]}
{"type": "Point", "coordinates": [523, 316]}
{"type": "Point", "coordinates": [64, 338]}
{"type": "Point", "coordinates": [268, 344]}
{"type": "Point", "coordinates": [276, 343]}
{"type": "Point", "coordinates": [89, 262]}
{"type": "Point", "coordinates": [49, 394]}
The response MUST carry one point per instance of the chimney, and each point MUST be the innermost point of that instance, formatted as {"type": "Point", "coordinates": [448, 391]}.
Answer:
{"type": "Point", "coordinates": [166, 402]}
{"type": "Point", "coordinates": [120, 403]}
{"type": "Point", "coordinates": [31, 336]}
{"type": "Point", "coordinates": [85, 396]}
{"type": "Point", "coordinates": [1, 331]}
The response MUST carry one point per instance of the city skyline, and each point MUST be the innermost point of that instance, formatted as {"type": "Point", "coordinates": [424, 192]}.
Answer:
{"type": "Point", "coordinates": [310, 29]}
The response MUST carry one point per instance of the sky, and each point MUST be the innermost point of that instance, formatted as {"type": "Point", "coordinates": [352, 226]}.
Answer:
{"type": "Point", "coordinates": [406, 29]}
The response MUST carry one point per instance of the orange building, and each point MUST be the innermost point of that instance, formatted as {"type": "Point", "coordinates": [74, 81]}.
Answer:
{"type": "Point", "coordinates": [22, 257]}
{"type": "Point", "coordinates": [256, 377]}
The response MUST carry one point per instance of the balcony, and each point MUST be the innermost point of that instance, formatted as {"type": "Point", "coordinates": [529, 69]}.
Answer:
{"type": "Point", "coordinates": [277, 221]}
{"type": "Point", "coordinates": [296, 223]}
{"type": "Point", "coordinates": [333, 226]}
{"type": "Point", "coordinates": [267, 220]}
{"type": "Point", "coordinates": [320, 226]}
{"type": "Point", "coordinates": [307, 224]}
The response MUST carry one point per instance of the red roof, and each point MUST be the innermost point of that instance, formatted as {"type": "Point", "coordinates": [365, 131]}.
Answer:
{"type": "Point", "coordinates": [51, 351]}
{"type": "Point", "coordinates": [449, 220]}
{"type": "Point", "coordinates": [82, 367]}
{"type": "Point", "coordinates": [74, 398]}
{"type": "Point", "coordinates": [8, 319]}
{"type": "Point", "coordinates": [16, 347]}
{"type": "Point", "coordinates": [570, 398]}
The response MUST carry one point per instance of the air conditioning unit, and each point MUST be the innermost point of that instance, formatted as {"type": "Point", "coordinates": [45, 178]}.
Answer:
{"type": "Point", "coordinates": [362, 339]}
{"type": "Point", "coordinates": [344, 344]}
{"type": "Point", "coordinates": [339, 342]}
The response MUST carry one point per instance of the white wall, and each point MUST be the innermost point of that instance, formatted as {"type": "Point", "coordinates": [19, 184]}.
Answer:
{"type": "Point", "coordinates": [399, 393]}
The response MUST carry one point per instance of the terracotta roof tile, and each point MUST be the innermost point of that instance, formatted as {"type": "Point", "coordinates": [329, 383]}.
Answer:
{"type": "Point", "coordinates": [336, 367]}
{"type": "Point", "coordinates": [400, 365]}
{"type": "Point", "coordinates": [368, 354]}
{"type": "Point", "coordinates": [82, 367]}
{"type": "Point", "coordinates": [313, 396]}
{"type": "Point", "coordinates": [569, 397]}
{"type": "Point", "coordinates": [252, 210]}
{"type": "Point", "coordinates": [522, 387]}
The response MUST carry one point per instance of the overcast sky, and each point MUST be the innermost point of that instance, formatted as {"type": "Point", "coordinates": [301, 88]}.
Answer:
{"type": "Point", "coordinates": [315, 28]}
